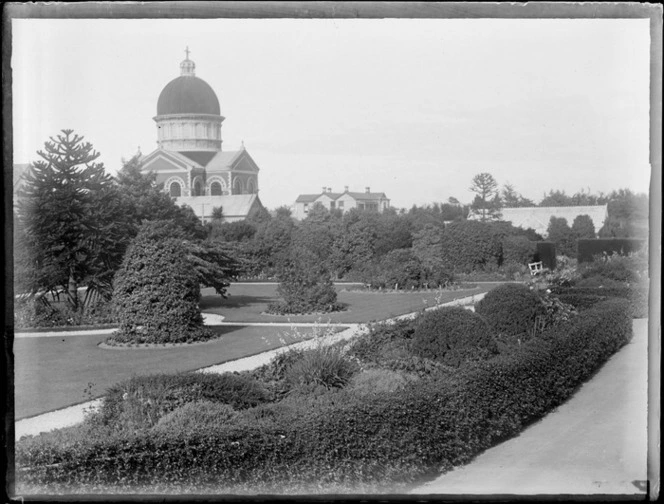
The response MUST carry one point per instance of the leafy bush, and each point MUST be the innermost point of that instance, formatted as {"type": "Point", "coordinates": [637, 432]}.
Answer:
{"type": "Point", "coordinates": [587, 297]}
{"type": "Point", "coordinates": [305, 286]}
{"type": "Point", "coordinates": [589, 249]}
{"type": "Point", "coordinates": [322, 366]}
{"type": "Point", "coordinates": [38, 312]}
{"type": "Point", "coordinates": [402, 269]}
{"type": "Point", "coordinates": [156, 294]}
{"type": "Point", "coordinates": [395, 437]}
{"type": "Point", "coordinates": [452, 336]}
{"type": "Point", "coordinates": [142, 400]}
{"type": "Point", "coordinates": [518, 249]}
{"type": "Point", "coordinates": [469, 245]}
{"type": "Point", "coordinates": [511, 309]}
{"type": "Point", "coordinates": [615, 268]}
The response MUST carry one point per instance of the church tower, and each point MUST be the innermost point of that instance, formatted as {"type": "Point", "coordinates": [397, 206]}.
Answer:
{"type": "Point", "coordinates": [189, 162]}
{"type": "Point", "coordinates": [188, 113]}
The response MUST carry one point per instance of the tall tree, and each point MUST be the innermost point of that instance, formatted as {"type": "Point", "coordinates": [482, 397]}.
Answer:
{"type": "Point", "coordinates": [487, 199]}
{"type": "Point", "coordinates": [583, 227]}
{"type": "Point", "coordinates": [561, 234]}
{"type": "Point", "coordinates": [512, 199]}
{"type": "Point", "coordinates": [72, 218]}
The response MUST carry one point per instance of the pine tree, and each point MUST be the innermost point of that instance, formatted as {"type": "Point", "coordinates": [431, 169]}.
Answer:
{"type": "Point", "coordinates": [487, 200]}
{"type": "Point", "coordinates": [71, 216]}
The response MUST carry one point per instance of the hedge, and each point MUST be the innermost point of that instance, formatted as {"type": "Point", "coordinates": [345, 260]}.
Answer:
{"type": "Point", "coordinates": [586, 297]}
{"type": "Point", "coordinates": [546, 253]}
{"type": "Point", "coordinates": [588, 249]}
{"type": "Point", "coordinates": [395, 437]}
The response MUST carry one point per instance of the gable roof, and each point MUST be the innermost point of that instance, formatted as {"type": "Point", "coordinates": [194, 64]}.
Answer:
{"type": "Point", "coordinates": [234, 206]}
{"type": "Point", "coordinates": [170, 156]}
{"type": "Point", "coordinates": [223, 160]}
{"type": "Point", "coordinates": [360, 196]}
{"type": "Point", "coordinates": [538, 218]}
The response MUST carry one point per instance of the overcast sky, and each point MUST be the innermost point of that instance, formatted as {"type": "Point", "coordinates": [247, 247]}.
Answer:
{"type": "Point", "coordinates": [410, 107]}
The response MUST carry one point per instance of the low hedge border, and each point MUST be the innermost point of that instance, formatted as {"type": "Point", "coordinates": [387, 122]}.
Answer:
{"type": "Point", "coordinates": [399, 437]}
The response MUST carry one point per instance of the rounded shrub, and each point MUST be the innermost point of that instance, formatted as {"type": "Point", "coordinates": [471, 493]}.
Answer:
{"type": "Point", "coordinates": [511, 309]}
{"type": "Point", "coordinates": [156, 294]}
{"type": "Point", "coordinates": [452, 336]}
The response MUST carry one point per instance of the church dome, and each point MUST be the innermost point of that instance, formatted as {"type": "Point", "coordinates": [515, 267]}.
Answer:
{"type": "Point", "coordinates": [188, 94]}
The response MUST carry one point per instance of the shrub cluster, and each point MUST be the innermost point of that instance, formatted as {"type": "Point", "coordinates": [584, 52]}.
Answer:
{"type": "Point", "coordinates": [141, 401]}
{"type": "Point", "coordinates": [511, 310]}
{"type": "Point", "coordinates": [402, 269]}
{"type": "Point", "coordinates": [518, 249]}
{"type": "Point", "coordinates": [453, 335]}
{"type": "Point", "coordinates": [587, 297]}
{"type": "Point", "coordinates": [397, 436]}
{"type": "Point", "coordinates": [37, 312]}
{"type": "Point", "coordinates": [589, 249]}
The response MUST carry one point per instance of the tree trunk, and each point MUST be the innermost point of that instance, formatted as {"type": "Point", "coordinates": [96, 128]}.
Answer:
{"type": "Point", "coordinates": [72, 292]}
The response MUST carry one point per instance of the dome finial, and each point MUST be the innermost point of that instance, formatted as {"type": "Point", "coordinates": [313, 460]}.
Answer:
{"type": "Point", "coordinates": [187, 67]}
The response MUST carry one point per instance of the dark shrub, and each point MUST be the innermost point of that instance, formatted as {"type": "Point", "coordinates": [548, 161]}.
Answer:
{"type": "Point", "coordinates": [589, 249]}
{"type": "Point", "coordinates": [616, 270]}
{"type": "Point", "coordinates": [156, 293]}
{"type": "Point", "coordinates": [469, 245]}
{"type": "Point", "coordinates": [402, 269]}
{"type": "Point", "coordinates": [546, 253]}
{"type": "Point", "coordinates": [142, 400]}
{"type": "Point", "coordinates": [511, 309]}
{"type": "Point", "coordinates": [452, 336]}
{"type": "Point", "coordinates": [587, 297]}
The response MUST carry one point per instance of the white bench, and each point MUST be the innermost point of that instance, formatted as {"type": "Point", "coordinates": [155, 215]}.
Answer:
{"type": "Point", "coordinates": [535, 268]}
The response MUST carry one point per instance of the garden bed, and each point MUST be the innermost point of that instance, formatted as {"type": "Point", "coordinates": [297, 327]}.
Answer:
{"type": "Point", "coordinates": [401, 425]}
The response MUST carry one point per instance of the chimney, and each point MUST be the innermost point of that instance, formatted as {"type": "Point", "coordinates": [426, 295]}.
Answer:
{"type": "Point", "coordinates": [345, 188]}
{"type": "Point", "coordinates": [368, 189]}
{"type": "Point", "coordinates": [324, 189]}
{"type": "Point", "coordinates": [329, 189]}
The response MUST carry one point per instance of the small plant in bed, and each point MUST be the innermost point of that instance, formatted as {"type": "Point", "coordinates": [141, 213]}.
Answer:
{"type": "Point", "coordinates": [305, 287]}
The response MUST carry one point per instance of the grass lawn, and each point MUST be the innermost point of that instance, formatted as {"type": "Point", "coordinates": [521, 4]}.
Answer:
{"type": "Point", "coordinates": [53, 372]}
{"type": "Point", "coordinates": [248, 303]}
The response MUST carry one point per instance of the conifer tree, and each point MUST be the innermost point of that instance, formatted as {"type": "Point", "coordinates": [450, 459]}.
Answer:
{"type": "Point", "coordinates": [70, 213]}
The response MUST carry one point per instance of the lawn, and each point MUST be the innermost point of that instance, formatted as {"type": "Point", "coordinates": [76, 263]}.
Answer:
{"type": "Point", "coordinates": [54, 372]}
{"type": "Point", "coordinates": [248, 303]}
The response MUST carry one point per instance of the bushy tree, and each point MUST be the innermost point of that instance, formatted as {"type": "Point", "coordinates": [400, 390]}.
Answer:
{"type": "Point", "coordinates": [561, 234]}
{"type": "Point", "coordinates": [583, 227]}
{"type": "Point", "coordinates": [487, 200]}
{"type": "Point", "coordinates": [469, 245]}
{"type": "Point", "coordinates": [72, 220]}
{"type": "Point", "coordinates": [157, 292]}
{"type": "Point", "coordinates": [305, 285]}
{"type": "Point", "coordinates": [512, 199]}
{"type": "Point", "coordinates": [627, 215]}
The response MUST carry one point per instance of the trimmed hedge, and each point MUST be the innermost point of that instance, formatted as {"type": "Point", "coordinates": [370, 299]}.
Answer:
{"type": "Point", "coordinates": [588, 249]}
{"type": "Point", "coordinates": [511, 309]}
{"type": "Point", "coordinates": [453, 335]}
{"type": "Point", "coordinates": [587, 297]}
{"type": "Point", "coordinates": [546, 252]}
{"type": "Point", "coordinates": [395, 437]}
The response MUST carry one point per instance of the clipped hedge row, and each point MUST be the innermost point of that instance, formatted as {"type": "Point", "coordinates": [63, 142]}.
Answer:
{"type": "Point", "coordinates": [586, 297]}
{"type": "Point", "coordinates": [398, 437]}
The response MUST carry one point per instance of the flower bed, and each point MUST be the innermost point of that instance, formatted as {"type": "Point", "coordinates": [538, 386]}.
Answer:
{"type": "Point", "coordinates": [341, 436]}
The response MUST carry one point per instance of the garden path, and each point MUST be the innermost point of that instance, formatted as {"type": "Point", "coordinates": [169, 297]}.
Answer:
{"type": "Point", "coordinates": [595, 443]}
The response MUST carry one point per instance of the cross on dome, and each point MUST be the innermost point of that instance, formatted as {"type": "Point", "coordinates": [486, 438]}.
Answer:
{"type": "Point", "coordinates": [187, 67]}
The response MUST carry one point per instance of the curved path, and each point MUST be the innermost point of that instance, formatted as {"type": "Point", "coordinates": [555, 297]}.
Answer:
{"type": "Point", "coordinates": [595, 443]}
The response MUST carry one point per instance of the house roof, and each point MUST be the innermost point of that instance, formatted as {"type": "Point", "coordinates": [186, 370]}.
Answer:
{"type": "Point", "coordinates": [223, 160]}
{"type": "Point", "coordinates": [359, 196]}
{"type": "Point", "coordinates": [538, 218]}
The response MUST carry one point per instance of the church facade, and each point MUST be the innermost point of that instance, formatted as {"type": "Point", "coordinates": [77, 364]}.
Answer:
{"type": "Point", "coordinates": [189, 160]}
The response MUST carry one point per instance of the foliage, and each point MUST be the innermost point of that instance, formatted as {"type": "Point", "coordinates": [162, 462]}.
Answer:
{"type": "Point", "coordinates": [305, 286]}
{"type": "Point", "coordinates": [590, 249]}
{"type": "Point", "coordinates": [469, 245]}
{"type": "Point", "coordinates": [512, 199]}
{"type": "Point", "coordinates": [379, 381]}
{"type": "Point", "coordinates": [196, 415]}
{"type": "Point", "coordinates": [487, 200]}
{"type": "Point", "coordinates": [32, 312]}
{"type": "Point", "coordinates": [321, 366]}
{"type": "Point", "coordinates": [561, 234]}
{"type": "Point", "coordinates": [511, 309]}
{"type": "Point", "coordinates": [71, 220]}
{"type": "Point", "coordinates": [583, 227]}
{"type": "Point", "coordinates": [142, 401]}
{"type": "Point", "coordinates": [517, 249]}
{"type": "Point", "coordinates": [453, 335]}
{"type": "Point", "coordinates": [240, 231]}
{"type": "Point", "coordinates": [400, 437]}
{"type": "Point", "coordinates": [627, 215]}
{"type": "Point", "coordinates": [632, 268]}
{"type": "Point", "coordinates": [402, 269]}
{"type": "Point", "coordinates": [157, 293]}
{"type": "Point", "coordinates": [545, 252]}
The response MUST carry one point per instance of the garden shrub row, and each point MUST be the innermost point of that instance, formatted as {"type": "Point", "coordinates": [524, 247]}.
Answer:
{"type": "Point", "coordinates": [588, 249]}
{"type": "Point", "coordinates": [586, 297]}
{"type": "Point", "coordinates": [401, 436]}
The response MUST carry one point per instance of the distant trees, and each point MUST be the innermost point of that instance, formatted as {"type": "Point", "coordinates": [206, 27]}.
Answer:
{"type": "Point", "coordinates": [561, 234]}
{"type": "Point", "coordinates": [583, 227]}
{"type": "Point", "coordinates": [512, 199]}
{"type": "Point", "coordinates": [487, 199]}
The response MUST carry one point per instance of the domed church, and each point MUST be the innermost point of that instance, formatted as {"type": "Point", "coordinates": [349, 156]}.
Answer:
{"type": "Point", "coordinates": [189, 160]}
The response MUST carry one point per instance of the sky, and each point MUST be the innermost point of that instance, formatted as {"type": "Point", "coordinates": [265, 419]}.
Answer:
{"type": "Point", "coordinates": [413, 108]}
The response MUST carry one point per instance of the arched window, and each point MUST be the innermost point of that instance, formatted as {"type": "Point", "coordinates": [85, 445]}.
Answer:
{"type": "Point", "coordinates": [175, 190]}
{"type": "Point", "coordinates": [237, 186]}
{"type": "Point", "coordinates": [215, 189]}
{"type": "Point", "coordinates": [251, 186]}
